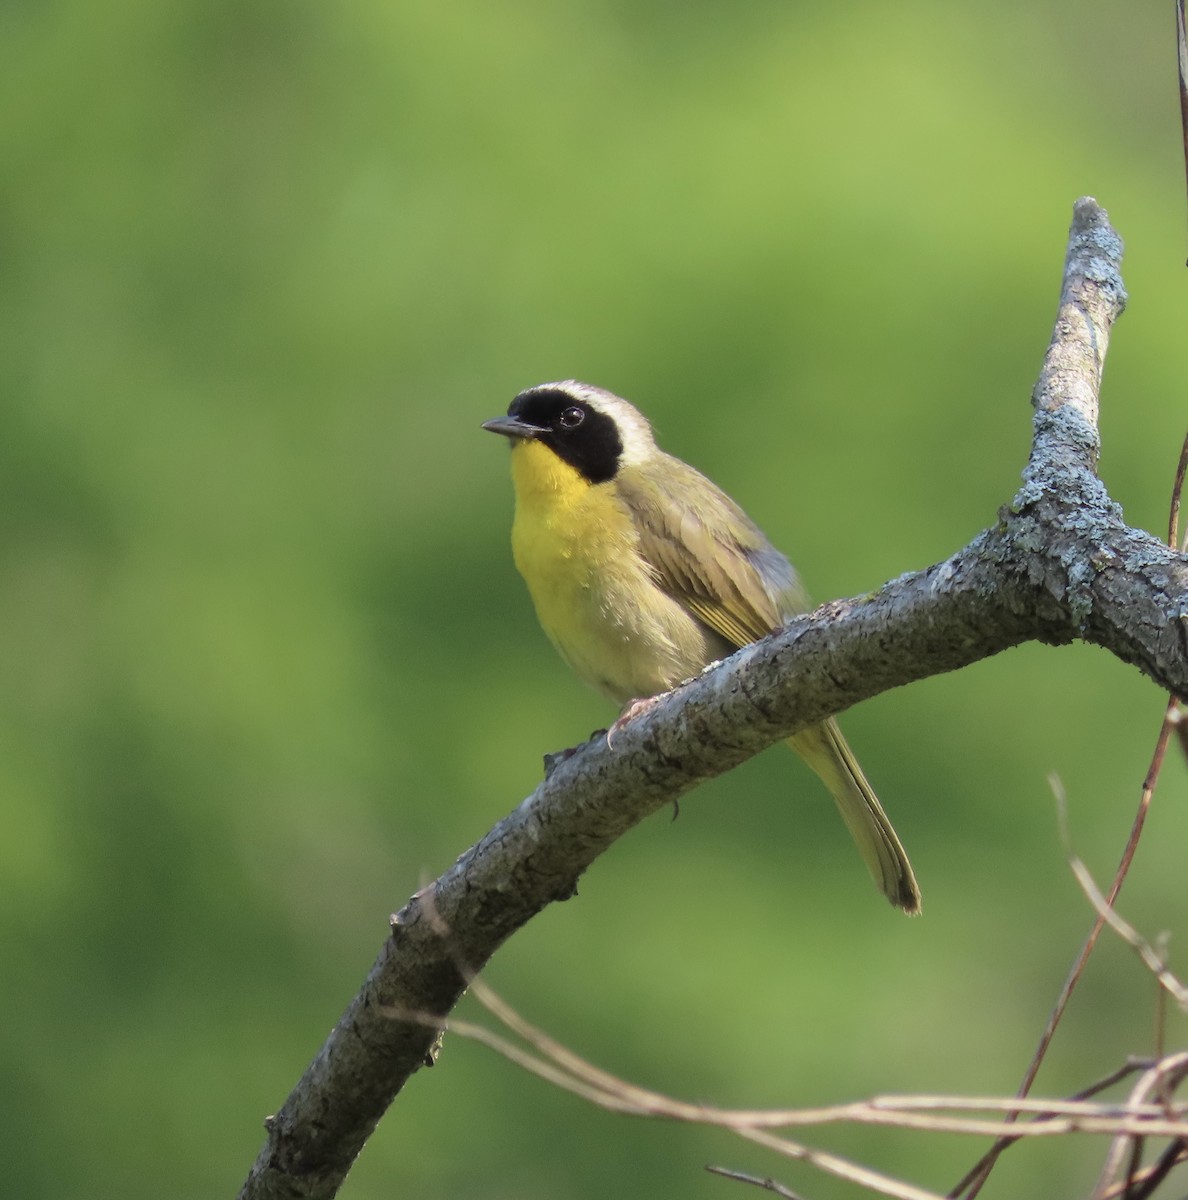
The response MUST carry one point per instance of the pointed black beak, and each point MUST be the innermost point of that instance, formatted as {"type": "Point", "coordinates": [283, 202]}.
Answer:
{"type": "Point", "coordinates": [513, 427]}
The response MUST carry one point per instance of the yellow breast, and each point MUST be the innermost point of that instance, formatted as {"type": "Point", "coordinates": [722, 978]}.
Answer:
{"type": "Point", "coordinates": [576, 547]}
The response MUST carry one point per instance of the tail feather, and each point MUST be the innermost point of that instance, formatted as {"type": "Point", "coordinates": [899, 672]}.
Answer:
{"type": "Point", "coordinates": [825, 750]}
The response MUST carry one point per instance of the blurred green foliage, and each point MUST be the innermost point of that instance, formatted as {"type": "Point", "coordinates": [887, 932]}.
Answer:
{"type": "Point", "coordinates": [266, 662]}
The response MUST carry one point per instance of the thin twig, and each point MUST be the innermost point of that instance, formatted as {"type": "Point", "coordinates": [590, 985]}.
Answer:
{"type": "Point", "coordinates": [1182, 57]}
{"type": "Point", "coordinates": [1140, 1117]}
{"type": "Point", "coordinates": [1167, 1073]}
{"type": "Point", "coordinates": [1159, 1039]}
{"type": "Point", "coordinates": [1173, 534]}
{"type": "Point", "coordinates": [561, 1066]}
{"type": "Point", "coordinates": [1142, 1185]}
{"type": "Point", "coordinates": [971, 1184]}
{"type": "Point", "coordinates": [976, 1177]}
{"type": "Point", "coordinates": [1131, 936]}
{"type": "Point", "coordinates": [1021, 1104]}
{"type": "Point", "coordinates": [769, 1185]}
{"type": "Point", "coordinates": [1134, 1166]}
{"type": "Point", "coordinates": [842, 1168]}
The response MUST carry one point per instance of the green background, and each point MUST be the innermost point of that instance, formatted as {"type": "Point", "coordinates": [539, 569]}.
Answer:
{"type": "Point", "coordinates": [266, 666]}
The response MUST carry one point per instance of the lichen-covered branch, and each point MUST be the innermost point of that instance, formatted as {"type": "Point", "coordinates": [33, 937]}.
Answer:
{"type": "Point", "coordinates": [1058, 564]}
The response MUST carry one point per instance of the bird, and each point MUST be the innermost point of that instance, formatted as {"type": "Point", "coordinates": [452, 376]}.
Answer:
{"type": "Point", "coordinates": [643, 572]}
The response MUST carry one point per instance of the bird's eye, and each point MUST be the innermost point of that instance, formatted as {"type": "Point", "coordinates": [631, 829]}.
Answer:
{"type": "Point", "coordinates": [572, 417]}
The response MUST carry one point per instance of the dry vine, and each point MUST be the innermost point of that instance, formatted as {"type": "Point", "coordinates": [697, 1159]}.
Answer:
{"type": "Point", "coordinates": [1148, 1111]}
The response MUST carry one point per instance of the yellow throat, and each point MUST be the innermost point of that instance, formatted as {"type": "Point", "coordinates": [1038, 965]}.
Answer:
{"type": "Point", "coordinates": [596, 598]}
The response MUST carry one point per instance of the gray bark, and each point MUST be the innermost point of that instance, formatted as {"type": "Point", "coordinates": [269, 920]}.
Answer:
{"type": "Point", "coordinates": [1059, 564]}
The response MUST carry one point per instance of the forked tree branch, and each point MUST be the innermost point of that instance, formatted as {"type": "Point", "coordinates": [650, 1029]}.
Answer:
{"type": "Point", "coordinates": [1059, 564]}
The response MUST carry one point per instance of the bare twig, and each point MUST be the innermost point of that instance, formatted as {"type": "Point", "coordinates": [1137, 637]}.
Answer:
{"type": "Point", "coordinates": [769, 1185]}
{"type": "Point", "coordinates": [833, 1164]}
{"type": "Point", "coordinates": [1130, 1123]}
{"type": "Point", "coordinates": [1182, 58]}
{"type": "Point", "coordinates": [1149, 1111]}
{"type": "Point", "coordinates": [561, 1066]}
{"type": "Point", "coordinates": [972, 1182]}
{"type": "Point", "coordinates": [1151, 959]}
{"type": "Point", "coordinates": [1173, 520]}
{"type": "Point", "coordinates": [1161, 1079]}
{"type": "Point", "coordinates": [1135, 1165]}
{"type": "Point", "coordinates": [1142, 1183]}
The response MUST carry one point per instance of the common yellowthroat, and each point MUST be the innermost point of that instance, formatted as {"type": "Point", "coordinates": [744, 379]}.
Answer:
{"type": "Point", "coordinates": [643, 572]}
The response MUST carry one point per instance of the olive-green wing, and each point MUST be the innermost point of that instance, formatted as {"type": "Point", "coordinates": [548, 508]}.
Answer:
{"type": "Point", "coordinates": [707, 553]}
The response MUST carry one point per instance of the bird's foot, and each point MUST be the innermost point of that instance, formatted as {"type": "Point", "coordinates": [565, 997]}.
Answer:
{"type": "Point", "coordinates": [631, 710]}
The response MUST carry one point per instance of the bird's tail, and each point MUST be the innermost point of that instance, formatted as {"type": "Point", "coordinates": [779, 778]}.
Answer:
{"type": "Point", "coordinates": [825, 750]}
